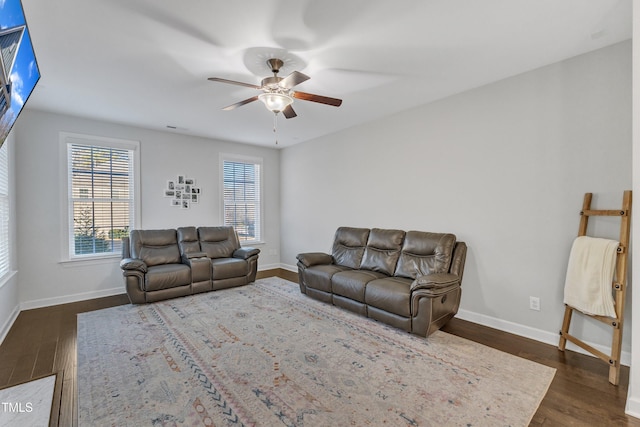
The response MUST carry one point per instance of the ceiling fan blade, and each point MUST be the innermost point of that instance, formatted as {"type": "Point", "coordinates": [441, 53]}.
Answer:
{"type": "Point", "coordinates": [293, 79]}
{"type": "Point", "coordinates": [233, 82]}
{"type": "Point", "coordinates": [288, 112]}
{"type": "Point", "coordinates": [335, 102]}
{"type": "Point", "coordinates": [241, 103]}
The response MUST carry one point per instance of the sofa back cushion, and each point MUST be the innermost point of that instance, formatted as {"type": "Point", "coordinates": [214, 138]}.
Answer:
{"type": "Point", "coordinates": [348, 246]}
{"type": "Point", "coordinates": [382, 251]}
{"type": "Point", "coordinates": [424, 253]}
{"type": "Point", "coordinates": [188, 240]}
{"type": "Point", "coordinates": [218, 242]}
{"type": "Point", "coordinates": [155, 247]}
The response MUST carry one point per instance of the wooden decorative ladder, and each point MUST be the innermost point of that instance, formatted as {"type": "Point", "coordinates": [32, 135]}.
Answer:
{"type": "Point", "coordinates": [619, 287]}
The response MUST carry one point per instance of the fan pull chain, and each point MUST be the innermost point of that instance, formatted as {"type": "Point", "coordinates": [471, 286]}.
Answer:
{"type": "Point", "coordinates": [275, 126]}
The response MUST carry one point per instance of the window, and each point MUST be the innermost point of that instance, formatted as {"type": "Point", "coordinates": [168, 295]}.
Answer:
{"type": "Point", "coordinates": [101, 182]}
{"type": "Point", "coordinates": [242, 207]}
{"type": "Point", "coordinates": [4, 211]}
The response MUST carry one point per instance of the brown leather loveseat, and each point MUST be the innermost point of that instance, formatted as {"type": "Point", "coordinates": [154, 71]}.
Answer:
{"type": "Point", "coordinates": [410, 280]}
{"type": "Point", "coordinates": [162, 264]}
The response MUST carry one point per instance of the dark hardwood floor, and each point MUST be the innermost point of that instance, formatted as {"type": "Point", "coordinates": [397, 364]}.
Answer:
{"type": "Point", "coordinates": [43, 341]}
{"type": "Point", "coordinates": [580, 394]}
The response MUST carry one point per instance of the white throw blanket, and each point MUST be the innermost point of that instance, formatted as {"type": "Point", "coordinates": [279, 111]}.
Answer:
{"type": "Point", "coordinates": [590, 274]}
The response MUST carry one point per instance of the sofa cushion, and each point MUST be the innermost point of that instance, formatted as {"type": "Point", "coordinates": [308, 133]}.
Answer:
{"type": "Point", "coordinates": [188, 241]}
{"type": "Point", "coordinates": [352, 283]}
{"type": "Point", "coordinates": [382, 251]}
{"type": "Point", "coordinates": [225, 268]}
{"type": "Point", "coordinates": [167, 276]}
{"type": "Point", "coordinates": [392, 294]}
{"type": "Point", "coordinates": [425, 253]}
{"type": "Point", "coordinates": [319, 276]}
{"type": "Point", "coordinates": [155, 247]}
{"type": "Point", "coordinates": [348, 246]}
{"type": "Point", "coordinates": [218, 242]}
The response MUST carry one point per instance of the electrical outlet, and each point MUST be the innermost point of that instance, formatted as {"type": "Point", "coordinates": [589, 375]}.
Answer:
{"type": "Point", "coordinates": [534, 303]}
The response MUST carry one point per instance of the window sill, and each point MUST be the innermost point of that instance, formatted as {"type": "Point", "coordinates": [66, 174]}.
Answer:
{"type": "Point", "coordinates": [78, 262]}
{"type": "Point", "coordinates": [6, 278]}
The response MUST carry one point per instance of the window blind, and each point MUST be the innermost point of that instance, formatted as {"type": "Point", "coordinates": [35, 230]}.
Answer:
{"type": "Point", "coordinates": [4, 212]}
{"type": "Point", "coordinates": [101, 199]}
{"type": "Point", "coordinates": [242, 198]}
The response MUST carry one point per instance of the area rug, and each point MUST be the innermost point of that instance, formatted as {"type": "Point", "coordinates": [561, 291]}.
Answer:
{"type": "Point", "coordinates": [266, 355]}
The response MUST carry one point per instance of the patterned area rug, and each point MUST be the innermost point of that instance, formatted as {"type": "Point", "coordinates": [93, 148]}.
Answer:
{"type": "Point", "coordinates": [267, 355]}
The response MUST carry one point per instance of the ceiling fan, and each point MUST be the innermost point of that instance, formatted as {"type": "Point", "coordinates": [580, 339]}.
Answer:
{"type": "Point", "coordinates": [277, 93]}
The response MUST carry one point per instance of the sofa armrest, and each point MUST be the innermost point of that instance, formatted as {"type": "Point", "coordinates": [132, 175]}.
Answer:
{"type": "Point", "coordinates": [435, 282]}
{"type": "Point", "coordinates": [245, 252]}
{"type": "Point", "coordinates": [133, 264]}
{"type": "Point", "coordinates": [314, 258]}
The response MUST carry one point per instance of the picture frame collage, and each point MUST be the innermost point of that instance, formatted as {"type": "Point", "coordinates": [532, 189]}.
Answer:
{"type": "Point", "coordinates": [182, 192]}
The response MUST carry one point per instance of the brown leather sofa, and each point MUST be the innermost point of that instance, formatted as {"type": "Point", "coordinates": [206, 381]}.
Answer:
{"type": "Point", "coordinates": [410, 280]}
{"type": "Point", "coordinates": [162, 264]}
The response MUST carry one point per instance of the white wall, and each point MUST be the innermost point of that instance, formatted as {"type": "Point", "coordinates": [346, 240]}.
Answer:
{"type": "Point", "coordinates": [9, 294]}
{"type": "Point", "coordinates": [504, 167]}
{"type": "Point", "coordinates": [43, 279]}
{"type": "Point", "coordinates": [633, 396]}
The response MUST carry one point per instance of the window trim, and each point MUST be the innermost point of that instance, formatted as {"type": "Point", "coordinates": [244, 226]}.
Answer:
{"type": "Point", "coordinates": [243, 159]}
{"type": "Point", "coordinates": [6, 274]}
{"type": "Point", "coordinates": [67, 138]}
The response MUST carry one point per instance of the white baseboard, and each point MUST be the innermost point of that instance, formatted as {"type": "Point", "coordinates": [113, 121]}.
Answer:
{"type": "Point", "coordinates": [633, 407]}
{"type": "Point", "coordinates": [292, 268]}
{"type": "Point", "coordinates": [264, 267]}
{"type": "Point", "coordinates": [9, 323]}
{"type": "Point", "coordinates": [534, 334]}
{"type": "Point", "coordinates": [46, 302]}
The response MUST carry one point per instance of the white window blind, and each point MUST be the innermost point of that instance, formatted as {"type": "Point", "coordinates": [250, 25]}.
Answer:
{"type": "Point", "coordinates": [4, 211]}
{"type": "Point", "coordinates": [101, 198]}
{"type": "Point", "coordinates": [242, 198]}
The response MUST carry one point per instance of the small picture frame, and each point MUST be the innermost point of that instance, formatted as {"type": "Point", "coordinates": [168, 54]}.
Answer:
{"type": "Point", "coordinates": [181, 179]}
{"type": "Point", "coordinates": [170, 193]}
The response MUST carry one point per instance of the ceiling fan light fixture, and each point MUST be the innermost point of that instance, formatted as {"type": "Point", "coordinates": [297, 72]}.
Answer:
{"type": "Point", "coordinates": [275, 102]}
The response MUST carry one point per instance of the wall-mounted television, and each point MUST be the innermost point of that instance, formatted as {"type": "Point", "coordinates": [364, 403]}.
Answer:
{"type": "Point", "coordinates": [19, 71]}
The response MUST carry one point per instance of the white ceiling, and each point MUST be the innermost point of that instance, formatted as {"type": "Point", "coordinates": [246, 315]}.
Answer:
{"type": "Point", "coordinates": [146, 62]}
